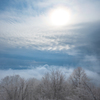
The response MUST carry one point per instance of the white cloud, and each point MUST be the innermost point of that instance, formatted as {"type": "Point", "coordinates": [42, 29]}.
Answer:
{"type": "Point", "coordinates": [38, 72]}
{"type": "Point", "coordinates": [92, 62]}
{"type": "Point", "coordinates": [94, 76]}
{"type": "Point", "coordinates": [30, 28]}
{"type": "Point", "coordinates": [30, 32]}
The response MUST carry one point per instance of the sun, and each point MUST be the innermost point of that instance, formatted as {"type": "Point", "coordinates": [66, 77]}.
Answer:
{"type": "Point", "coordinates": [59, 16]}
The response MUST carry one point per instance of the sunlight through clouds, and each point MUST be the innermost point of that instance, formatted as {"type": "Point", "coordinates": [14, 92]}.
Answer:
{"type": "Point", "coordinates": [59, 16]}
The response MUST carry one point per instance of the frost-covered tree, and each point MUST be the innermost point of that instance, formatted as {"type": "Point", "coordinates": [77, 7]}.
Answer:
{"type": "Point", "coordinates": [53, 86]}
{"type": "Point", "coordinates": [82, 88]}
{"type": "Point", "coordinates": [32, 91]}
{"type": "Point", "coordinates": [13, 88]}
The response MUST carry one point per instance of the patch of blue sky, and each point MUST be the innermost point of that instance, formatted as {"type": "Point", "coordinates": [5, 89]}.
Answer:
{"type": "Point", "coordinates": [4, 4]}
{"type": "Point", "coordinates": [7, 4]}
{"type": "Point", "coordinates": [22, 7]}
{"type": "Point", "coordinates": [24, 57]}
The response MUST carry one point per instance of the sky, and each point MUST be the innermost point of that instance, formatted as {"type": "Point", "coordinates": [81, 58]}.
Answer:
{"type": "Point", "coordinates": [35, 35]}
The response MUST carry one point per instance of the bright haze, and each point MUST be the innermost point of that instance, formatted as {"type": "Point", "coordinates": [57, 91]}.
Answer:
{"type": "Point", "coordinates": [59, 16]}
{"type": "Point", "coordinates": [36, 35]}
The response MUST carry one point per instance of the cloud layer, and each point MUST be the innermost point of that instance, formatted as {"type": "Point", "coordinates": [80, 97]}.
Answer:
{"type": "Point", "coordinates": [40, 71]}
{"type": "Point", "coordinates": [28, 39]}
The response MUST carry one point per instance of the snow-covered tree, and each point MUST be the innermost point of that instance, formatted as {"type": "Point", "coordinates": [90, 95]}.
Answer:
{"type": "Point", "coordinates": [13, 88]}
{"type": "Point", "coordinates": [82, 88]}
{"type": "Point", "coordinates": [53, 85]}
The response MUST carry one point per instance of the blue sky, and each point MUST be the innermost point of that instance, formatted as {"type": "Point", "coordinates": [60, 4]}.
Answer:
{"type": "Point", "coordinates": [29, 40]}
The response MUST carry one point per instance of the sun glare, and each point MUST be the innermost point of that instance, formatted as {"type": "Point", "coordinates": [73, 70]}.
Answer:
{"type": "Point", "coordinates": [59, 16]}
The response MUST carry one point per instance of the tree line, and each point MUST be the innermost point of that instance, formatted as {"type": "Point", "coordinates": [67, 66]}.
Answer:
{"type": "Point", "coordinates": [53, 86]}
